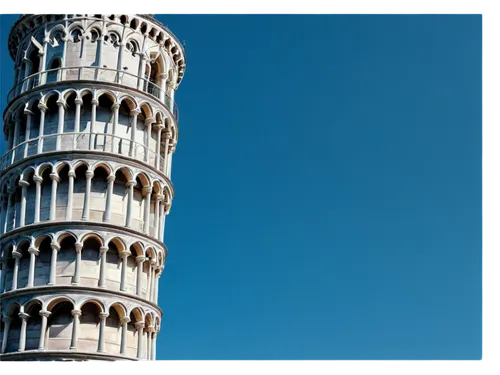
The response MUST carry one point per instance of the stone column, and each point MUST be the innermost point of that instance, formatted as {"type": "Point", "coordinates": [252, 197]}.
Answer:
{"type": "Point", "coordinates": [157, 198]}
{"type": "Point", "coordinates": [94, 103]}
{"type": "Point", "coordinates": [157, 280]}
{"type": "Point", "coordinates": [101, 347]}
{"type": "Point", "coordinates": [22, 335]}
{"type": "Point", "coordinates": [17, 256]}
{"type": "Point", "coordinates": [109, 194]}
{"type": "Point", "coordinates": [162, 220]}
{"type": "Point", "coordinates": [165, 153]}
{"type": "Point", "coordinates": [171, 150]}
{"type": "Point", "coordinates": [119, 62]}
{"type": "Point", "coordinates": [130, 186]}
{"type": "Point", "coordinates": [60, 123]}
{"type": "Point", "coordinates": [153, 347]}
{"type": "Point", "coordinates": [17, 127]}
{"type": "Point", "coordinates": [140, 260]}
{"type": "Point", "coordinates": [31, 275]}
{"type": "Point", "coordinates": [3, 211]}
{"type": "Point", "coordinates": [76, 323]}
{"type": "Point", "coordinates": [78, 261]}
{"type": "Point", "coordinates": [148, 124]}
{"type": "Point", "coordinates": [24, 188]}
{"type": "Point", "coordinates": [158, 129]}
{"type": "Point", "coordinates": [53, 198]}
{"type": "Point", "coordinates": [123, 282]}
{"type": "Point", "coordinates": [43, 327]}
{"type": "Point", "coordinates": [6, 328]}
{"type": "Point", "coordinates": [86, 202]}
{"type": "Point", "coordinates": [135, 112]}
{"type": "Point", "coordinates": [69, 206]}
{"type": "Point", "coordinates": [148, 342]}
{"type": "Point", "coordinates": [43, 61]}
{"type": "Point", "coordinates": [76, 126]}
{"type": "Point", "coordinates": [8, 210]}
{"type": "Point", "coordinates": [102, 271]}
{"type": "Point", "coordinates": [123, 323]}
{"type": "Point", "coordinates": [160, 213]}
{"type": "Point", "coordinates": [4, 274]}
{"type": "Point", "coordinates": [43, 109]}
{"type": "Point", "coordinates": [163, 86]}
{"type": "Point", "coordinates": [38, 197]}
{"type": "Point", "coordinates": [53, 263]}
{"type": "Point", "coordinates": [146, 192]}
{"type": "Point", "coordinates": [139, 326]}
{"type": "Point", "coordinates": [115, 108]}
{"type": "Point", "coordinates": [29, 120]}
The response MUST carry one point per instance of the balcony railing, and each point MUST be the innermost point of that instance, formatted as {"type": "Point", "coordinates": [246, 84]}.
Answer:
{"type": "Point", "coordinates": [84, 142]}
{"type": "Point", "coordinates": [92, 73]}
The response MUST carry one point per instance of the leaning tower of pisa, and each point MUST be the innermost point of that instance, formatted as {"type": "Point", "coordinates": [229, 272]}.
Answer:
{"type": "Point", "coordinates": [85, 184]}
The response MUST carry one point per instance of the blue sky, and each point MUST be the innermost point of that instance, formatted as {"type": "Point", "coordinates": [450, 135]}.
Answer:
{"type": "Point", "coordinates": [328, 188]}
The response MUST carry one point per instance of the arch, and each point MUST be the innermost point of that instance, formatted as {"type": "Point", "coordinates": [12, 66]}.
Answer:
{"type": "Point", "coordinates": [95, 301]}
{"type": "Point", "coordinates": [138, 247]}
{"type": "Point", "coordinates": [126, 172]}
{"type": "Point", "coordinates": [49, 305]}
{"type": "Point", "coordinates": [143, 178]}
{"type": "Point", "coordinates": [118, 242]}
{"type": "Point", "coordinates": [91, 235]}
{"type": "Point", "coordinates": [104, 165]}
{"type": "Point", "coordinates": [41, 237]}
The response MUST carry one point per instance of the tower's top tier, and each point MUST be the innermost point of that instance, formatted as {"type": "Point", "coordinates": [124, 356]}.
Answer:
{"type": "Point", "coordinates": [139, 34]}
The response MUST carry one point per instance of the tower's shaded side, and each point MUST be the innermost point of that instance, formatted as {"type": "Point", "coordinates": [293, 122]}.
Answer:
{"type": "Point", "coordinates": [91, 126]}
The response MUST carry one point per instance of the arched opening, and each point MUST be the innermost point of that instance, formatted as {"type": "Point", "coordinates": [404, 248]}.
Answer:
{"type": "Point", "coordinates": [98, 194]}
{"type": "Point", "coordinates": [79, 190]}
{"type": "Point", "coordinates": [90, 262]}
{"type": "Point", "coordinates": [103, 126]}
{"type": "Point", "coordinates": [46, 194]}
{"type": "Point", "coordinates": [33, 325]}
{"type": "Point", "coordinates": [119, 198]}
{"type": "Point", "coordinates": [24, 265]}
{"type": "Point", "coordinates": [43, 262]}
{"type": "Point", "coordinates": [132, 334]}
{"type": "Point", "coordinates": [62, 192]}
{"type": "Point", "coordinates": [89, 327]}
{"type": "Point", "coordinates": [14, 331]}
{"type": "Point", "coordinates": [65, 267]}
{"type": "Point", "coordinates": [113, 273]}
{"type": "Point", "coordinates": [59, 326]}
{"type": "Point", "coordinates": [54, 71]}
{"type": "Point", "coordinates": [112, 332]}
{"type": "Point", "coordinates": [51, 123]}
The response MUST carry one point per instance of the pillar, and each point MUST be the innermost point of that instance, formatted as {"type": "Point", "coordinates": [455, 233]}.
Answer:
{"type": "Point", "coordinates": [15, 140]}
{"type": "Point", "coordinates": [140, 260]}
{"type": "Point", "coordinates": [71, 184]}
{"type": "Point", "coordinates": [24, 191]}
{"type": "Point", "coordinates": [148, 124]}
{"type": "Point", "coordinates": [3, 277]}
{"type": "Point", "coordinates": [22, 335]}
{"type": "Point", "coordinates": [115, 108]}
{"type": "Point", "coordinates": [158, 129]}
{"type": "Point", "coordinates": [157, 280]}
{"type": "Point", "coordinates": [53, 263]}
{"type": "Point", "coordinates": [163, 86]}
{"type": "Point", "coordinates": [130, 186]}
{"type": "Point", "coordinates": [146, 192]}
{"type": "Point", "coordinates": [16, 255]}
{"type": "Point", "coordinates": [153, 347]}
{"type": "Point", "coordinates": [148, 342]}
{"type": "Point", "coordinates": [157, 199]}
{"type": "Point", "coordinates": [123, 322]}
{"type": "Point", "coordinates": [94, 103]}
{"type": "Point", "coordinates": [43, 327]}
{"type": "Point", "coordinates": [60, 123]}
{"type": "Point", "coordinates": [31, 275]}
{"type": "Point", "coordinates": [29, 120]}
{"type": "Point", "coordinates": [53, 198]}
{"type": "Point", "coordinates": [139, 326]}
{"type": "Point", "coordinates": [109, 194]}
{"type": "Point", "coordinates": [76, 126]}
{"type": "Point", "coordinates": [38, 194]}
{"type": "Point", "coordinates": [78, 261]}
{"type": "Point", "coordinates": [43, 109]}
{"type": "Point", "coordinates": [6, 328]}
{"type": "Point", "coordinates": [76, 323]}
{"type": "Point", "coordinates": [123, 282]}
{"type": "Point", "coordinates": [86, 202]}
{"type": "Point", "coordinates": [100, 346]}
{"type": "Point", "coordinates": [102, 270]}
{"type": "Point", "coordinates": [165, 153]}
{"type": "Point", "coordinates": [135, 112]}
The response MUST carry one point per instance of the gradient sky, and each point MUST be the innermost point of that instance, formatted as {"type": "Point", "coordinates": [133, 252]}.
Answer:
{"type": "Point", "coordinates": [327, 188]}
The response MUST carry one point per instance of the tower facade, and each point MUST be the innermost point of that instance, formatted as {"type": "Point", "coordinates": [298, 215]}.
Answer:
{"type": "Point", "coordinates": [85, 183]}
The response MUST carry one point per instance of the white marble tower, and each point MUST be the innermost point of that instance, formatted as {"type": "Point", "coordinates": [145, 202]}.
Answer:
{"type": "Point", "coordinates": [85, 184]}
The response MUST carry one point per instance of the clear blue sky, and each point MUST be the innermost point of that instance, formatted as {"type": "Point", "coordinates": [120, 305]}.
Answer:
{"type": "Point", "coordinates": [328, 188]}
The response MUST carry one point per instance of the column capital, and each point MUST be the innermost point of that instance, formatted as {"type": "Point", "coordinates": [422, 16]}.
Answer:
{"type": "Point", "coordinates": [55, 246]}
{"type": "Point", "coordinates": [76, 312]}
{"type": "Point", "coordinates": [140, 259]}
{"type": "Point", "coordinates": [159, 126]}
{"type": "Point", "coordinates": [103, 315]}
{"type": "Point", "coordinates": [78, 247]}
{"type": "Point", "coordinates": [150, 329]}
{"type": "Point", "coordinates": [103, 249]}
{"type": "Point", "coordinates": [139, 325]}
{"type": "Point", "coordinates": [135, 111]}
{"type": "Point", "coordinates": [44, 313]}
{"type": "Point", "coordinates": [171, 149]}
{"type": "Point", "coordinates": [34, 251]}
{"type": "Point", "coordinates": [42, 107]}
{"type": "Point", "coordinates": [16, 254]}
{"type": "Point", "coordinates": [159, 197]}
{"type": "Point", "coordinates": [7, 319]}
{"type": "Point", "coordinates": [111, 178]}
{"type": "Point", "coordinates": [55, 177]}
{"type": "Point", "coordinates": [169, 134]}
{"type": "Point", "coordinates": [24, 184]}
{"type": "Point", "coordinates": [147, 190]}
{"type": "Point", "coordinates": [131, 183]}
{"type": "Point", "coordinates": [89, 175]}
{"type": "Point", "coordinates": [27, 112]}
{"type": "Point", "coordinates": [164, 76]}
{"type": "Point", "coordinates": [149, 121]}
{"type": "Point", "coordinates": [72, 173]}
{"type": "Point", "coordinates": [24, 316]}
{"type": "Point", "coordinates": [61, 102]}
{"type": "Point", "coordinates": [124, 320]}
{"type": "Point", "coordinates": [94, 101]}
{"type": "Point", "coordinates": [115, 107]}
{"type": "Point", "coordinates": [125, 254]}
{"type": "Point", "coordinates": [79, 101]}
{"type": "Point", "coordinates": [37, 179]}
